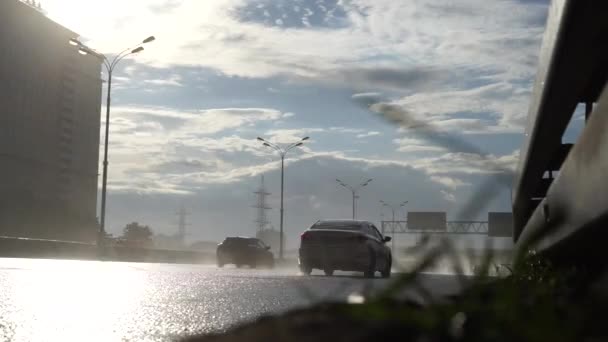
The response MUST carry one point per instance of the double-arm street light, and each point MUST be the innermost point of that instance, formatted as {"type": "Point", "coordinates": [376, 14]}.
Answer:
{"type": "Point", "coordinates": [354, 190]}
{"type": "Point", "coordinates": [109, 64]}
{"type": "Point", "coordinates": [282, 152]}
{"type": "Point", "coordinates": [393, 209]}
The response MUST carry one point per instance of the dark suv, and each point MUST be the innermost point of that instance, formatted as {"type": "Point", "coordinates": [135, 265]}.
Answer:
{"type": "Point", "coordinates": [244, 251]}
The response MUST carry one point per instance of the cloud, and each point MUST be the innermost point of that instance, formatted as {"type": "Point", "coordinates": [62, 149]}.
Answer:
{"type": "Point", "coordinates": [174, 80]}
{"type": "Point", "coordinates": [506, 103]}
{"type": "Point", "coordinates": [392, 78]}
{"type": "Point", "coordinates": [155, 149]}
{"type": "Point", "coordinates": [480, 60]}
{"type": "Point", "coordinates": [448, 196]}
{"type": "Point", "coordinates": [165, 6]}
{"type": "Point", "coordinates": [341, 129]}
{"type": "Point", "coordinates": [416, 145]}
{"type": "Point", "coordinates": [449, 182]}
{"type": "Point", "coordinates": [467, 164]}
{"type": "Point", "coordinates": [366, 34]}
{"type": "Point", "coordinates": [325, 14]}
{"type": "Point", "coordinates": [204, 121]}
{"type": "Point", "coordinates": [291, 135]}
{"type": "Point", "coordinates": [368, 134]}
{"type": "Point", "coordinates": [315, 203]}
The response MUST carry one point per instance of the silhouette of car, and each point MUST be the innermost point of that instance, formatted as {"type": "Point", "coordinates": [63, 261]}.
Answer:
{"type": "Point", "coordinates": [244, 251]}
{"type": "Point", "coordinates": [345, 245]}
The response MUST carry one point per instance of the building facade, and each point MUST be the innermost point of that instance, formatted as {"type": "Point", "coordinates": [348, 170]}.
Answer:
{"type": "Point", "coordinates": [50, 99]}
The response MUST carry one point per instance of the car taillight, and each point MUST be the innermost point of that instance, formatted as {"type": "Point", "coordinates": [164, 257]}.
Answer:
{"type": "Point", "coordinates": [303, 236]}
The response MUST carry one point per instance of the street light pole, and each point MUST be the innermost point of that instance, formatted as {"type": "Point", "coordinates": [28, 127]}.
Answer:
{"type": "Point", "coordinates": [354, 190]}
{"type": "Point", "coordinates": [404, 211]}
{"type": "Point", "coordinates": [384, 204]}
{"type": "Point", "coordinates": [282, 152]}
{"type": "Point", "coordinates": [354, 207]}
{"type": "Point", "coordinates": [401, 205]}
{"type": "Point", "coordinates": [282, 208]}
{"type": "Point", "coordinates": [101, 237]}
{"type": "Point", "coordinates": [109, 65]}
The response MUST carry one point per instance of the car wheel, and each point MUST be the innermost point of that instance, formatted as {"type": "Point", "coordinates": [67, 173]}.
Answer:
{"type": "Point", "coordinates": [386, 272]}
{"type": "Point", "coordinates": [328, 272]}
{"type": "Point", "coordinates": [371, 266]}
{"type": "Point", "coordinates": [306, 269]}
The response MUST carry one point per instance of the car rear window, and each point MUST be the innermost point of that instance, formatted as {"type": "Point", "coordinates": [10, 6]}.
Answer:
{"type": "Point", "coordinates": [337, 226]}
{"type": "Point", "coordinates": [236, 241]}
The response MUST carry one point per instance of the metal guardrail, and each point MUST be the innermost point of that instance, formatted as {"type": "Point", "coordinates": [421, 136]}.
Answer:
{"type": "Point", "coordinates": [566, 220]}
{"type": "Point", "coordinates": [572, 70]}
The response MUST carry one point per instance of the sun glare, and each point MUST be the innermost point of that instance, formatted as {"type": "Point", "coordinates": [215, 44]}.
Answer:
{"type": "Point", "coordinates": [101, 296]}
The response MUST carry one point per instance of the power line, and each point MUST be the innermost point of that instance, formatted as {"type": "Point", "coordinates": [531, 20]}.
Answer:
{"type": "Point", "coordinates": [182, 223]}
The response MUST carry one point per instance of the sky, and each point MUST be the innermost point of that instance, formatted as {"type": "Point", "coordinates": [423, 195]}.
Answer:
{"type": "Point", "coordinates": [427, 97]}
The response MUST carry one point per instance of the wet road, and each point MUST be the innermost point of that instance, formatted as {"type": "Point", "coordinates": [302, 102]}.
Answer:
{"type": "Point", "coordinates": [58, 300]}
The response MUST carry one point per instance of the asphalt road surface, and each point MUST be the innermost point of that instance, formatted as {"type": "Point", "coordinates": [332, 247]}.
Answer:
{"type": "Point", "coordinates": [59, 300]}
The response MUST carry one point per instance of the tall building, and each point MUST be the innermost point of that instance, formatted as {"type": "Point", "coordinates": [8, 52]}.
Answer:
{"type": "Point", "coordinates": [50, 100]}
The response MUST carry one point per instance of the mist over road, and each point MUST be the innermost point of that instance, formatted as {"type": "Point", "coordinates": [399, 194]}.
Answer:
{"type": "Point", "coordinates": [60, 300]}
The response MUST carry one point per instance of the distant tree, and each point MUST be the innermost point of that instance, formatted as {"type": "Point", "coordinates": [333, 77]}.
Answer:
{"type": "Point", "coordinates": [136, 234]}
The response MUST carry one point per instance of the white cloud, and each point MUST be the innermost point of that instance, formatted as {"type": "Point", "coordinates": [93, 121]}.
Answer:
{"type": "Point", "coordinates": [474, 34]}
{"type": "Point", "coordinates": [416, 145]}
{"type": "Point", "coordinates": [157, 149]}
{"type": "Point", "coordinates": [467, 164]}
{"type": "Point", "coordinates": [506, 103]}
{"type": "Point", "coordinates": [287, 136]}
{"type": "Point", "coordinates": [480, 59]}
{"type": "Point", "coordinates": [341, 129]}
{"type": "Point", "coordinates": [147, 141]}
{"type": "Point", "coordinates": [448, 196]}
{"type": "Point", "coordinates": [314, 202]}
{"type": "Point", "coordinates": [204, 121]}
{"type": "Point", "coordinates": [174, 80]}
{"type": "Point", "coordinates": [449, 182]}
{"type": "Point", "coordinates": [368, 134]}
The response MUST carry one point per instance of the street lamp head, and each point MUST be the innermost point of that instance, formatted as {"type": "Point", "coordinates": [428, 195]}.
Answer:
{"type": "Point", "coordinates": [149, 39]}
{"type": "Point", "coordinates": [136, 50]}
{"type": "Point", "coordinates": [299, 144]}
{"type": "Point", "coordinates": [305, 138]}
{"type": "Point", "coordinates": [83, 52]}
{"type": "Point", "coordinates": [266, 144]}
{"type": "Point", "coordinates": [261, 139]}
{"type": "Point", "coordinates": [74, 42]}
